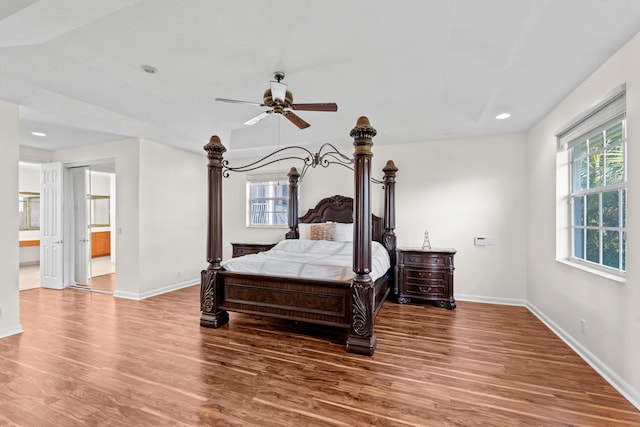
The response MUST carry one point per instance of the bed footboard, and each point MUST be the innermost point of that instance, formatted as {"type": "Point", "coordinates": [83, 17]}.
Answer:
{"type": "Point", "coordinates": [325, 303]}
{"type": "Point", "coordinates": [320, 302]}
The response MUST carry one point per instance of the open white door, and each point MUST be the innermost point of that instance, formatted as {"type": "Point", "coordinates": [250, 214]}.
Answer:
{"type": "Point", "coordinates": [80, 188]}
{"type": "Point", "coordinates": [51, 258]}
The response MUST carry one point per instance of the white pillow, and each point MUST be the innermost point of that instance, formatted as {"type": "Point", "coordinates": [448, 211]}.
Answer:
{"type": "Point", "coordinates": [304, 231]}
{"type": "Point", "coordinates": [343, 232]}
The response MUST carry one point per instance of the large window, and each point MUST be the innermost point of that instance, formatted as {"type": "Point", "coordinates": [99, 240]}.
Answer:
{"type": "Point", "coordinates": [598, 198]}
{"type": "Point", "coordinates": [596, 144]}
{"type": "Point", "coordinates": [268, 202]}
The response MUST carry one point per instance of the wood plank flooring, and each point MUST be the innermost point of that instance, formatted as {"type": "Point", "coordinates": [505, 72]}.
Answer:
{"type": "Point", "coordinates": [89, 359]}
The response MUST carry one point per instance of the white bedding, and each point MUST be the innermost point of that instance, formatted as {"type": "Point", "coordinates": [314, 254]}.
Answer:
{"type": "Point", "coordinates": [313, 259]}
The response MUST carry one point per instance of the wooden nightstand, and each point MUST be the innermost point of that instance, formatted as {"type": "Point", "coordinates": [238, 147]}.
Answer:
{"type": "Point", "coordinates": [426, 275]}
{"type": "Point", "coordinates": [240, 249]}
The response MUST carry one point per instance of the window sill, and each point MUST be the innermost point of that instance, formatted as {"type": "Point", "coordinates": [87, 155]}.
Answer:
{"type": "Point", "coordinates": [595, 271]}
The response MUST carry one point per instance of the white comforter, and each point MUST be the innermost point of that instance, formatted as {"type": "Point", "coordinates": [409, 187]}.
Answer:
{"type": "Point", "coordinates": [313, 259]}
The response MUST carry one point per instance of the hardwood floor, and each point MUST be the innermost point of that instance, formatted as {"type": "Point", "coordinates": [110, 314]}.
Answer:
{"type": "Point", "coordinates": [104, 283]}
{"type": "Point", "coordinates": [89, 359]}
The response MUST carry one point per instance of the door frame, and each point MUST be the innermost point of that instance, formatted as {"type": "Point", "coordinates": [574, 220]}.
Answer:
{"type": "Point", "coordinates": [100, 165]}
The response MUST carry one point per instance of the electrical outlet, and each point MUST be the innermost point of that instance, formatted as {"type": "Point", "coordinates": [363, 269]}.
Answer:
{"type": "Point", "coordinates": [0, 312]}
{"type": "Point", "coordinates": [179, 274]}
{"type": "Point", "coordinates": [583, 326]}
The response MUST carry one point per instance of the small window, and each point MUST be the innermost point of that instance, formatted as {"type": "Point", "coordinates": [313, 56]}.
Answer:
{"type": "Point", "coordinates": [268, 202]}
{"type": "Point", "coordinates": [29, 208]}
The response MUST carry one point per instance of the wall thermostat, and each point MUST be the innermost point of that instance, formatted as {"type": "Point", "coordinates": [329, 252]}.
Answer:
{"type": "Point", "coordinates": [480, 241]}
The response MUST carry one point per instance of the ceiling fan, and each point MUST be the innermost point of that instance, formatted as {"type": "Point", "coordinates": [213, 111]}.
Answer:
{"type": "Point", "coordinates": [280, 100]}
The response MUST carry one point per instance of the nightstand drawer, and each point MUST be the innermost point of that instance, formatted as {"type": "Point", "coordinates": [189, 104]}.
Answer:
{"type": "Point", "coordinates": [241, 249]}
{"type": "Point", "coordinates": [426, 289]}
{"type": "Point", "coordinates": [244, 251]}
{"type": "Point", "coordinates": [426, 259]}
{"type": "Point", "coordinates": [411, 273]}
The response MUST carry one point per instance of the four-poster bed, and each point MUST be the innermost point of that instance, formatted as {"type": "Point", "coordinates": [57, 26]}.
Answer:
{"type": "Point", "coordinates": [351, 304]}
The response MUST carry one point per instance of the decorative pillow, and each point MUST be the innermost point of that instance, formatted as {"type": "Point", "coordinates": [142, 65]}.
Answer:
{"type": "Point", "coordinates": [304, 230]}
{"type": "Point", "coordinates": [322, 231]}
{"type": "Point", "coordinates": [343, 232]}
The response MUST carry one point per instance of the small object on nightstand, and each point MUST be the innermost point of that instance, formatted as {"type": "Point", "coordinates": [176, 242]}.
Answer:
{"type": "Point", "coordinates": [240, 249]}
{"type": "Point", "coordinates": [426, 275]}
{"type": "Point", "coordinates": [426, 244]}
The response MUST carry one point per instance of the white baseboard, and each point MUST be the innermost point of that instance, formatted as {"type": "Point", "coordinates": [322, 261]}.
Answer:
{"type": "Point", "coordinates": [491, 300]}
{"type": "Point", "coordinates": [629, 393]}
{"type": "Point", "coordinates": [11, 330]}
{"type": "Point", "coordinates": [626, 390]}
{"type": "Point", "coordinates": [154, 292]}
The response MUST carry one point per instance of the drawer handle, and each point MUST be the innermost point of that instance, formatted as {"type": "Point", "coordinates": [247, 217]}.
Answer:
{"type": "Point", "coordinates": [422, 289]}
{"type": "Point", "coordinates": [427, 274]}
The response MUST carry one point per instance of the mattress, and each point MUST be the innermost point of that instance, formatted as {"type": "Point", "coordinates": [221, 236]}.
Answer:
{"type": "Point", "coordinates": [311, 259]}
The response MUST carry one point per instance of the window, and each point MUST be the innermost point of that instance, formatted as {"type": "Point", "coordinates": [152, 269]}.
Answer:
{"type": "Point", "coordinates": [268, 202]}
{"type": "Point", "coordinates": [598, 198]}
{"type": "Point", "coordinates": [597, 193]}
{"type": "Point", "coordinates": [29, 208]}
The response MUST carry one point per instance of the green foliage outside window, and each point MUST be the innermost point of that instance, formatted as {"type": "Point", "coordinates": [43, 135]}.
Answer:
{"type": "Point", "coordinates": [599, 198]}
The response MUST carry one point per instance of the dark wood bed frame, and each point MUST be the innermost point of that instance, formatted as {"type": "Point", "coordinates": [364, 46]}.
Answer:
{"type": "Point", "coordinates": [352, 304]}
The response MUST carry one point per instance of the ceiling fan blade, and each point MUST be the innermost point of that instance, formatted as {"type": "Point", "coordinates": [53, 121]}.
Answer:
{"type": "Point", "coordinates": [278, 90]}
{"type": "Point", "coordinates": [296, 120]}
{"type": "Point", "coordinates": [257, 118]}
{"type": "Point", "coordinates": [235, 101]}
{"type": "Point", "coordinates": [319, 106]}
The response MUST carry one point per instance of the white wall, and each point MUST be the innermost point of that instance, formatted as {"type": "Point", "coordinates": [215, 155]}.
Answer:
{"type": "Point", "coordinates": [565, 295]}
{"type": "Point", "coordinates": [161, 213]}
{"type": "Point", "coordinates": [457, 189]}
{"type": "Point", "coordinates": [461, 189]}
{"type": "Point", "coordinates": [173, 202]}
{"type": "Point", "coordinates": [100, 183]}
{"type": "Point", "coordinates": [29, 177]}
{"type": "Point", "coordinates": [9, 220]}
{"type": "Point", "coordinates": [34, 155]}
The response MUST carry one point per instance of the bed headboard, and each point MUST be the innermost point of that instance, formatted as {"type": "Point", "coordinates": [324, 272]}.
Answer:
{"type": "Point", "coordinates": [340, 209]}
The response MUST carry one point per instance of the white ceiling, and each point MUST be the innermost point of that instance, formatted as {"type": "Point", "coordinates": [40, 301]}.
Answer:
{"type": "Point", "coordinates": [419, 69]}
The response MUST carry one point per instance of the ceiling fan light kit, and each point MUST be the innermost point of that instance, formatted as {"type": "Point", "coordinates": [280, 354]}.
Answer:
{"type": "Point", "coordinates": [280, 100]}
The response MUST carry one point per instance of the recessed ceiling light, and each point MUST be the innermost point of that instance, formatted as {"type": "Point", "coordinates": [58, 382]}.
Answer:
{"type": "Point", "coordinates": [149, 69]}
{"type": "Point", "coordinates": [503, 116]}
{"type": "Point", "coordinates": [38, 134]}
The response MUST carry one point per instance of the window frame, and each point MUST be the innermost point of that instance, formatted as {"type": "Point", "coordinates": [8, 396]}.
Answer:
{"type": "Point", "coordinates": [273, 180]}
{"type": "Point", "coordinates": [601, 227]}
{"type": "Point", "coordinates": [577, 135]}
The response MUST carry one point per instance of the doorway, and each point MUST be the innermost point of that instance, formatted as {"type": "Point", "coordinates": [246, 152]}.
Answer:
{"type": "Point", "coordinates": [90, 201]}
{"type": "Point", "coordinates": [87, 260]}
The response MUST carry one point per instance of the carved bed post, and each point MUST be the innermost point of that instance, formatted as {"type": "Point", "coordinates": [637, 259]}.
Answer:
{"type": "Point", "coordinates": [293, 204]}
{"type": "Point", "coordinates": [211, 317]}
{"type": "Point", "coordinates": [362, 338]}
{"type": "Point", "coordinates": [389, 236]}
